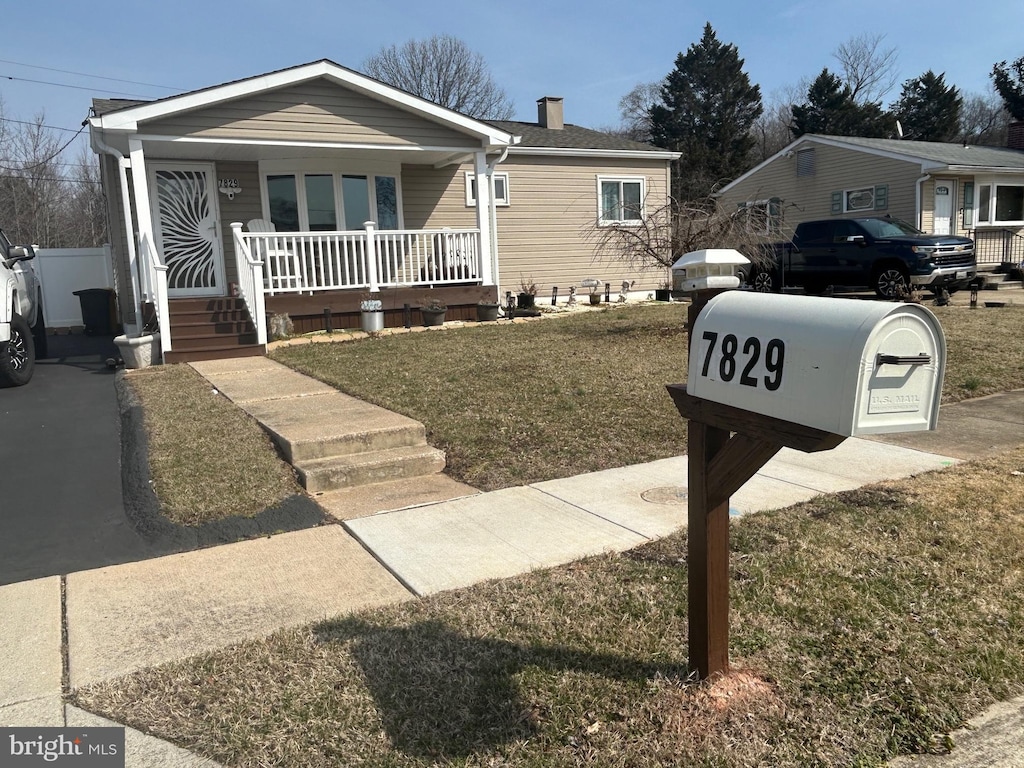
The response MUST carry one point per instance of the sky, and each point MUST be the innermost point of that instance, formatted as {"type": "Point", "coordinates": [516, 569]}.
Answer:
{"type": "Point", "coordinates": [590, 54]}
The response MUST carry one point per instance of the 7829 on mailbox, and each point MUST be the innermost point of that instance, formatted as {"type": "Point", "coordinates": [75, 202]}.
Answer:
{"type": "Point", "coordinates": [845, 366]}
{"type": "Point", "coordinates": [726, 356]}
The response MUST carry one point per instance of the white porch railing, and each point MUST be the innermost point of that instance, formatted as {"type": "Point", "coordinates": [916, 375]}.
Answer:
{"type": "Point", "coordinates": [304, 262]}
{"type": "Point", "coordinates": [153, 278]}
{"type": "Point", "coordinates": [250, 282]}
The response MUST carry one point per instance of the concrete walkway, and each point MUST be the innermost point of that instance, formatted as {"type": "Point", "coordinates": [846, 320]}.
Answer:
{"type": "Point", "coordinates": [122, 618]}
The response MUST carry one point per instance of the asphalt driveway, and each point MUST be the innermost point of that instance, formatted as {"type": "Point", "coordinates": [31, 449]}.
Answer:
{"type": "Point", "coordinates": [61, 507]}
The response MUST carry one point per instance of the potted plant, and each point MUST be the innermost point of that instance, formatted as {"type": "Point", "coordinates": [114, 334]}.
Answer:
{"type": "Point", "coordinates": [595, 295]}
{"type": "Point", "coordinates": [664, 291]}
{"type": "Point", "coordinates": [527, 293]}
{"type": "Point", "coordinates": [433, 310]}
{"type": "Point", "coordinates": [371, 314]}
{"type": "Point", "coordinates": [486, 308]}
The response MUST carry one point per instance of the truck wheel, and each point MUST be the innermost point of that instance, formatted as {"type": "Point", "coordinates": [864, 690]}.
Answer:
{"type": "Point", "coordinates": [39, 332]}
{"type": "Point", "coordinates": [891, 281]}
{"type": "Point", "coordinates": [17, 356]}
{"type": "Point", "coordinates": [763, 282]}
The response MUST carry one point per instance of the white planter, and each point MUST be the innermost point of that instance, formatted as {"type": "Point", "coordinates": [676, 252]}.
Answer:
{"type": "Point", "coordinates": [139, 351]}
{"type": "Point", "coordinates": [373, 321]}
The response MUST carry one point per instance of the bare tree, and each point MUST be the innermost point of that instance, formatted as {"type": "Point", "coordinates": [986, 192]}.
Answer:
{"type": "Point", "coordinates": [442, 69]}
{"type": "Point", "coordinates": [773, 130]}
{"type": "Point", "coordinates": [673, 229]}
{"type": "Point", "coordinates": [983, 120]}
{"type": "Point", "coordinates": [635, 110]}
{"type": "Point", "coordinates": [867, 69]}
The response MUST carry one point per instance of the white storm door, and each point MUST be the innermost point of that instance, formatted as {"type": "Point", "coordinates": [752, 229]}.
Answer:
{"type": "Point", "coordinates": [186, 229]}
{"type": "Point", "coordinates": [943, 211]}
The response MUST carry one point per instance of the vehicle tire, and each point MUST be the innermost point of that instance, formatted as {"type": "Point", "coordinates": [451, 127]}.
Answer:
{"type": "Point", "coordinates": [17, 356]}
{"type": "Point", "coordinates": [764, 281]}
{"type": "Point", "coordinates": [39, 332]}
{"type": "Point", "coordinates": [891, 281]}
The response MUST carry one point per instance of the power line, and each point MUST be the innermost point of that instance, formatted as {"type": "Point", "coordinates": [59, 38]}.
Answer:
{"type": "Point", "coordinates": [27, 122]}
{"type": "Point", "coordinates": [83, 74]}
{"type": "Point", "coordinates": [48, 159]}
{"type": "Point", "coordinates": [91, 89]}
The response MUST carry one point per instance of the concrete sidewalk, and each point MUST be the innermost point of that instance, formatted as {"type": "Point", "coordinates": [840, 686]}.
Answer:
{"type": "Point", "coordinates": [122, 618]}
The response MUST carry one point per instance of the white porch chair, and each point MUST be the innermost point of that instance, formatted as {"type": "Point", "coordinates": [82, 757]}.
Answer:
{"type": "Point", "coordinates": [275, 258]}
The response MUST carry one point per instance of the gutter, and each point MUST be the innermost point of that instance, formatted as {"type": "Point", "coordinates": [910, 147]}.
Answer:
{"type": "Point", "coordinates": [123, 164]}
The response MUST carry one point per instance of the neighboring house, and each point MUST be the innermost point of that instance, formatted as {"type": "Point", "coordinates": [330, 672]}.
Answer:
{"type": "Point", "coordinates": [940, 188]}
{"type": "Point", "coordinates": [304, 189]}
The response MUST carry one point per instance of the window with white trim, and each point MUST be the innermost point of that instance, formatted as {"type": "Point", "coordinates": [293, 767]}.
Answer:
{"type": "Point", "coordinates": [620, 199]}
{"type": "Point", "coordinates": [999, 204]}
{"type": "Point", "coordinates": [762, 217]}
{"type": "Point", "coordinates": [331, 201]}
{"type": "Point", "coordinates": [500, 189]}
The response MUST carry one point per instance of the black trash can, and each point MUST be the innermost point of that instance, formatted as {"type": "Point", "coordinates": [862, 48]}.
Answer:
{"type": "Point", "coordinates": [98, 311]}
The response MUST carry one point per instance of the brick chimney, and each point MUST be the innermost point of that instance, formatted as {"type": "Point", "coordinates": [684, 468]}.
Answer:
{"type": "Point", "coordinates": [1015, 135]}
{"type": "Point", "coordinates": [549, 112]}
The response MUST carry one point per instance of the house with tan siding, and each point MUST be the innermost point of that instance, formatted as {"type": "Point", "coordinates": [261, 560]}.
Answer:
{"type": "Point", "coordinates": [940, 188]}
{"type": "Point", "coordinates": [306, 190]}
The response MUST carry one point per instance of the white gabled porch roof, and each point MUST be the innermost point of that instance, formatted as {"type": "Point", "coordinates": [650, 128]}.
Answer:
{"type": "Point", "coordinates": [127, 120]}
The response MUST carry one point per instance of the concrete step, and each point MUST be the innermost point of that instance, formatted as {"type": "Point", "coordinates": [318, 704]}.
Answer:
{"type": "Point", "coordinates": [365, 500]}
{"type": "Point", "coordinates": [330, 474]}
{"type": "Point", "coordinates": [214, 353]}
{"type": "Point", "coordinates": [406, 433]}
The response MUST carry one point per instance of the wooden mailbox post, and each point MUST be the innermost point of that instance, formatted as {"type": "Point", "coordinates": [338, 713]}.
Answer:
{"type": "Point", "coordinates": [852, 368]}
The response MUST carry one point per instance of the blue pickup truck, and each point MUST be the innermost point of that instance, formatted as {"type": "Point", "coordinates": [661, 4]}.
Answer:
{"type": "Point", "coordinates": [885, 254]}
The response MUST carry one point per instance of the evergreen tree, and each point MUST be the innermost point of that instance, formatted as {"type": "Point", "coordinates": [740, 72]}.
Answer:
{"type": "Point", "coordinates": [831, 110]}
{"type": "Point", "coordinates": [1009, 82]}
{"type": "Point", "coordinates": [707, 111]}
{"type": "Point", "coordinates": [928, 109]}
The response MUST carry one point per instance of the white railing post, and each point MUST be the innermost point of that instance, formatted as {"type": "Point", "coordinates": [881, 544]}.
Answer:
{"type": "Point", "coordinates": [250, 282]}
{"type": "Point", "coordinates": [163, 310]}
{"type": "Point", "coordinates": [371, 257]}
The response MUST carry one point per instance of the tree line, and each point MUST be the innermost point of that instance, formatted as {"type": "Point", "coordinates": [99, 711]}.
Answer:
{"type": "Point", "coordinates": [708, 109]}
{"type": "Point", "coordinates": [46, 198]}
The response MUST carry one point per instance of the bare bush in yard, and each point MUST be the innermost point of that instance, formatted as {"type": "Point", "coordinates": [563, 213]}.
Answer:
{"type": "Point", "coordinates": [664, 234]}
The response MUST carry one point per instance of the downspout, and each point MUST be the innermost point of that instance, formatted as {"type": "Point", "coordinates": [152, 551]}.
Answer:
{"type": "Point", "coordinates": [494, 220]}
{"type": "Point", "coordinates": [123, 164]}
{"type": "Point", "coordinates": [917, 194]}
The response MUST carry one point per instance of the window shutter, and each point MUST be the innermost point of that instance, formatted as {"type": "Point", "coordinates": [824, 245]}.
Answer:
{"type": "Point", "coordinates": [968, 204]}
{"type": "Point", "coordinates": [881, 197]}
{"type": "Point", "coordinates": [837, 202]}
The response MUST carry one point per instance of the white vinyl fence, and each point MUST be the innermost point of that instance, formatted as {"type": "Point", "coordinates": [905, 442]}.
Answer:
{"type": "Point", "coordinates": [66, 270]}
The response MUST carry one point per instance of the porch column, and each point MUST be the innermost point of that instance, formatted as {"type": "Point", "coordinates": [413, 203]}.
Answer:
{"type": "Point", "coordinates": [143, 215]}
{"type": "Point", "coordinates": [484, 211]}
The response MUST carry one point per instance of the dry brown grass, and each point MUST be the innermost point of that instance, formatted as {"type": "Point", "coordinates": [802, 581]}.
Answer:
{"type": "Point", "coordinates": [512, 405]}
{"type": "Point", "coordinates": [208, 459]}
{"type": "Point", "coordinates": [864, 624]}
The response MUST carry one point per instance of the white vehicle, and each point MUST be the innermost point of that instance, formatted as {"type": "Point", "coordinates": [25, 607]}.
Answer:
{"type": "Point", "coordinates": [22, 328]}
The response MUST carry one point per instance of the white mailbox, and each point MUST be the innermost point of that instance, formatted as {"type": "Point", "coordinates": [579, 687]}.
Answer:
{"type": "Point", "coordinates": [710, 268]}
{"type": "Point", "coordinates": [845, 366]}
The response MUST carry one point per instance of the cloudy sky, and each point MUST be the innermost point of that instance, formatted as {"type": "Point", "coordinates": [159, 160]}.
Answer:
{"type": "Point", "coordinates": [56, 54]}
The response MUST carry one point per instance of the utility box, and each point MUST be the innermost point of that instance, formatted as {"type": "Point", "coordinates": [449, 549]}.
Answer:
{"type": "Point", "coordinates": [844, 366]}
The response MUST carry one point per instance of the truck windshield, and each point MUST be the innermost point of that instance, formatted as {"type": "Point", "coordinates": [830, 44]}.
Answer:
{"type": "Point", "coordinates": [888, 227]}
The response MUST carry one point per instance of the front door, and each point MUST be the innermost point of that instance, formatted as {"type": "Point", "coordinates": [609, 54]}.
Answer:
{"type": "Point", "coordinates": [187, 232]}
{"type": "Point", "coordinates": [943, 206]}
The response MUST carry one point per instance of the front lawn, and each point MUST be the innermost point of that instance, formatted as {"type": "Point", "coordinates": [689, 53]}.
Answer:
{"type": "Point", "coordinates": [864, 625]}
{"type": "Point", "coordinates": [512, 405]}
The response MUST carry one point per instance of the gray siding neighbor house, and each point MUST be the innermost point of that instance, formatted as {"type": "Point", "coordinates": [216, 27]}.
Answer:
{"type": "Point", "coordinates": [940, 188]}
